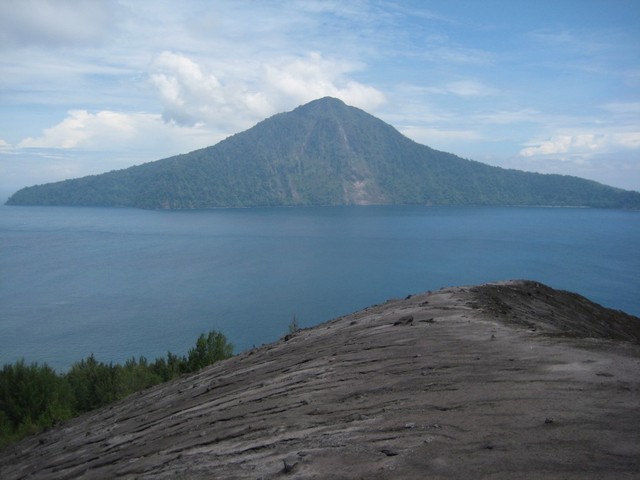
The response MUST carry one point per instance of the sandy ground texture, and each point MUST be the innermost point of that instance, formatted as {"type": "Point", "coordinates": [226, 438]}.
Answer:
{"type": "Point", "coordinates": [507, 380]}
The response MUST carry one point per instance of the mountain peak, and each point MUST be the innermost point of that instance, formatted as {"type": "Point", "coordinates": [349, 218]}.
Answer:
{"type": "Point", "coordinates": [323, 104]}
{"type": "Point", "coordinates": [322, 153]}
{"type": "Point", "coordinates": [326, 101]}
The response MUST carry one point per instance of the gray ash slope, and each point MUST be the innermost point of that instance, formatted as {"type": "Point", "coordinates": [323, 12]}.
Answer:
{"type": "Point", "coordinates": [505, 380]}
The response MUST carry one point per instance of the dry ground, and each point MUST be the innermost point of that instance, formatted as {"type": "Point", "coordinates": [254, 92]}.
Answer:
{"type": "Point", "coordinates": [509, 380]}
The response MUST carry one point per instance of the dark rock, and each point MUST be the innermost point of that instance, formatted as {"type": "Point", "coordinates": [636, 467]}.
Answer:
{"type": "Point", "coordinates": [404, 320]}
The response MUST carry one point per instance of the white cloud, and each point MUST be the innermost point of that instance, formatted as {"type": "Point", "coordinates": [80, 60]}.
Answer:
{"type": "Point", "coordinates": [188, 94]}
{"type": "Point", "coordinates": [55, 22]}
{"type": "Point", "coordinates": [505, 117]}
{"type": "Point", "coordinates": [457, 55]}
{"type": "Point", "coordinates": [581, 144]}
{"type": "Point", "coordinates": [117, 131]}
{"type": "Point", "coordinates": [623, 109]}
{"type": "Point", "coordinates": [191, 94]}
{"type": "Point", "coordinates": [86, 143]}
{"type": "Point", "coordinates": [469, 88]}
{"type": "Point", "coordinates": [305, 79]}
{"type": "Point", "coordinates": [82, 129]}
{"type": "Point", "coordinates": [200, 108]}
{"type": "Point", "coordinates": [562, 144]}
{"type": "Point", "coordinates": [627, 140]}
{"type": "Point", "coordinates": [616, 169]}
{"type": "Point", "coordinates": [427, 136]}
{"type": "Point", "coordinates": [461, 88]}
{"type": "Point", "coordinates": [575, 42]}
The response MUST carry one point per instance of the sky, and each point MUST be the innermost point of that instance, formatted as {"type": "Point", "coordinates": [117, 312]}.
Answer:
{"type": "Point", "coordinates": [550, 86]}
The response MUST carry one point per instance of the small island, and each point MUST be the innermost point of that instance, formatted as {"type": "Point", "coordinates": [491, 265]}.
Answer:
{"type": "Point", "coordinates": [321, 153]}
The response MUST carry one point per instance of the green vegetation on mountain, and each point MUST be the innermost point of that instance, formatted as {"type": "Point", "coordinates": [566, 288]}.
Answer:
{"type": "Point", "coordinates": [33, 397]}
{"type": "Point", "coordinates": [322, 153]}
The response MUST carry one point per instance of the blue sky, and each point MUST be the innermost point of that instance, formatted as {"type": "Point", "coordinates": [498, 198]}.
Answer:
{"type": "Point", "coordinates": [546, 86]}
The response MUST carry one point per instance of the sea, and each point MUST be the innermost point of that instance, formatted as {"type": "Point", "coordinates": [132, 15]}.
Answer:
{"type": "Point", "coordinates": [119, 282]}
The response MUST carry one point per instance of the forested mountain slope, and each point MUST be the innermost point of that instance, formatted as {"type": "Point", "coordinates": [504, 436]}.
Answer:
{"type": "Point", "coordinates": [321, 153]}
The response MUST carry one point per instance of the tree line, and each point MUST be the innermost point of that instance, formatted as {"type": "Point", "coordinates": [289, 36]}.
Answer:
{"type": "Point", "coordinates": [34, 397]}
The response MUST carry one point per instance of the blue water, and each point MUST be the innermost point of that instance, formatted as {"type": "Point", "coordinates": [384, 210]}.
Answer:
{"type": "Point", "coordinates": [123, 282]}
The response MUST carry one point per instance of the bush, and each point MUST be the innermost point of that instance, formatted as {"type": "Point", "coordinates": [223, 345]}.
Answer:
{"type": "Point", "coordinates": [293, 325]}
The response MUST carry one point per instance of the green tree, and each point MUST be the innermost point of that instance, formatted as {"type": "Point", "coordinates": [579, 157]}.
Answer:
{"type": "Point", "coordinates": [31, 397]}
{"type": "Point", "coordinates": [34, 396]}
{"type": "Point", "coordinates": [93, 384]}
{"type": "Point", "coordinates": [170, 367]}
{"type": "Point", "coordinates": [209, 349]}
{"type": "Point", "coordinates": [136, 375]}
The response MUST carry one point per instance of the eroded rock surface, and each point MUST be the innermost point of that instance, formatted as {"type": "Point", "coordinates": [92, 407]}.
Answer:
{"type": "Point", "coordinates": [507, 380]}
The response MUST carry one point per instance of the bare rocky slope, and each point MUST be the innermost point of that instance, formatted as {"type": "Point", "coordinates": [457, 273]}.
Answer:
{"type": "Point", "coordinates": [506, 380]}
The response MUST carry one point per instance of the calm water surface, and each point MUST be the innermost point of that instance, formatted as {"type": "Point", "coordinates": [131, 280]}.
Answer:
{"type": "Point", "coordinates": [123, 282]}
